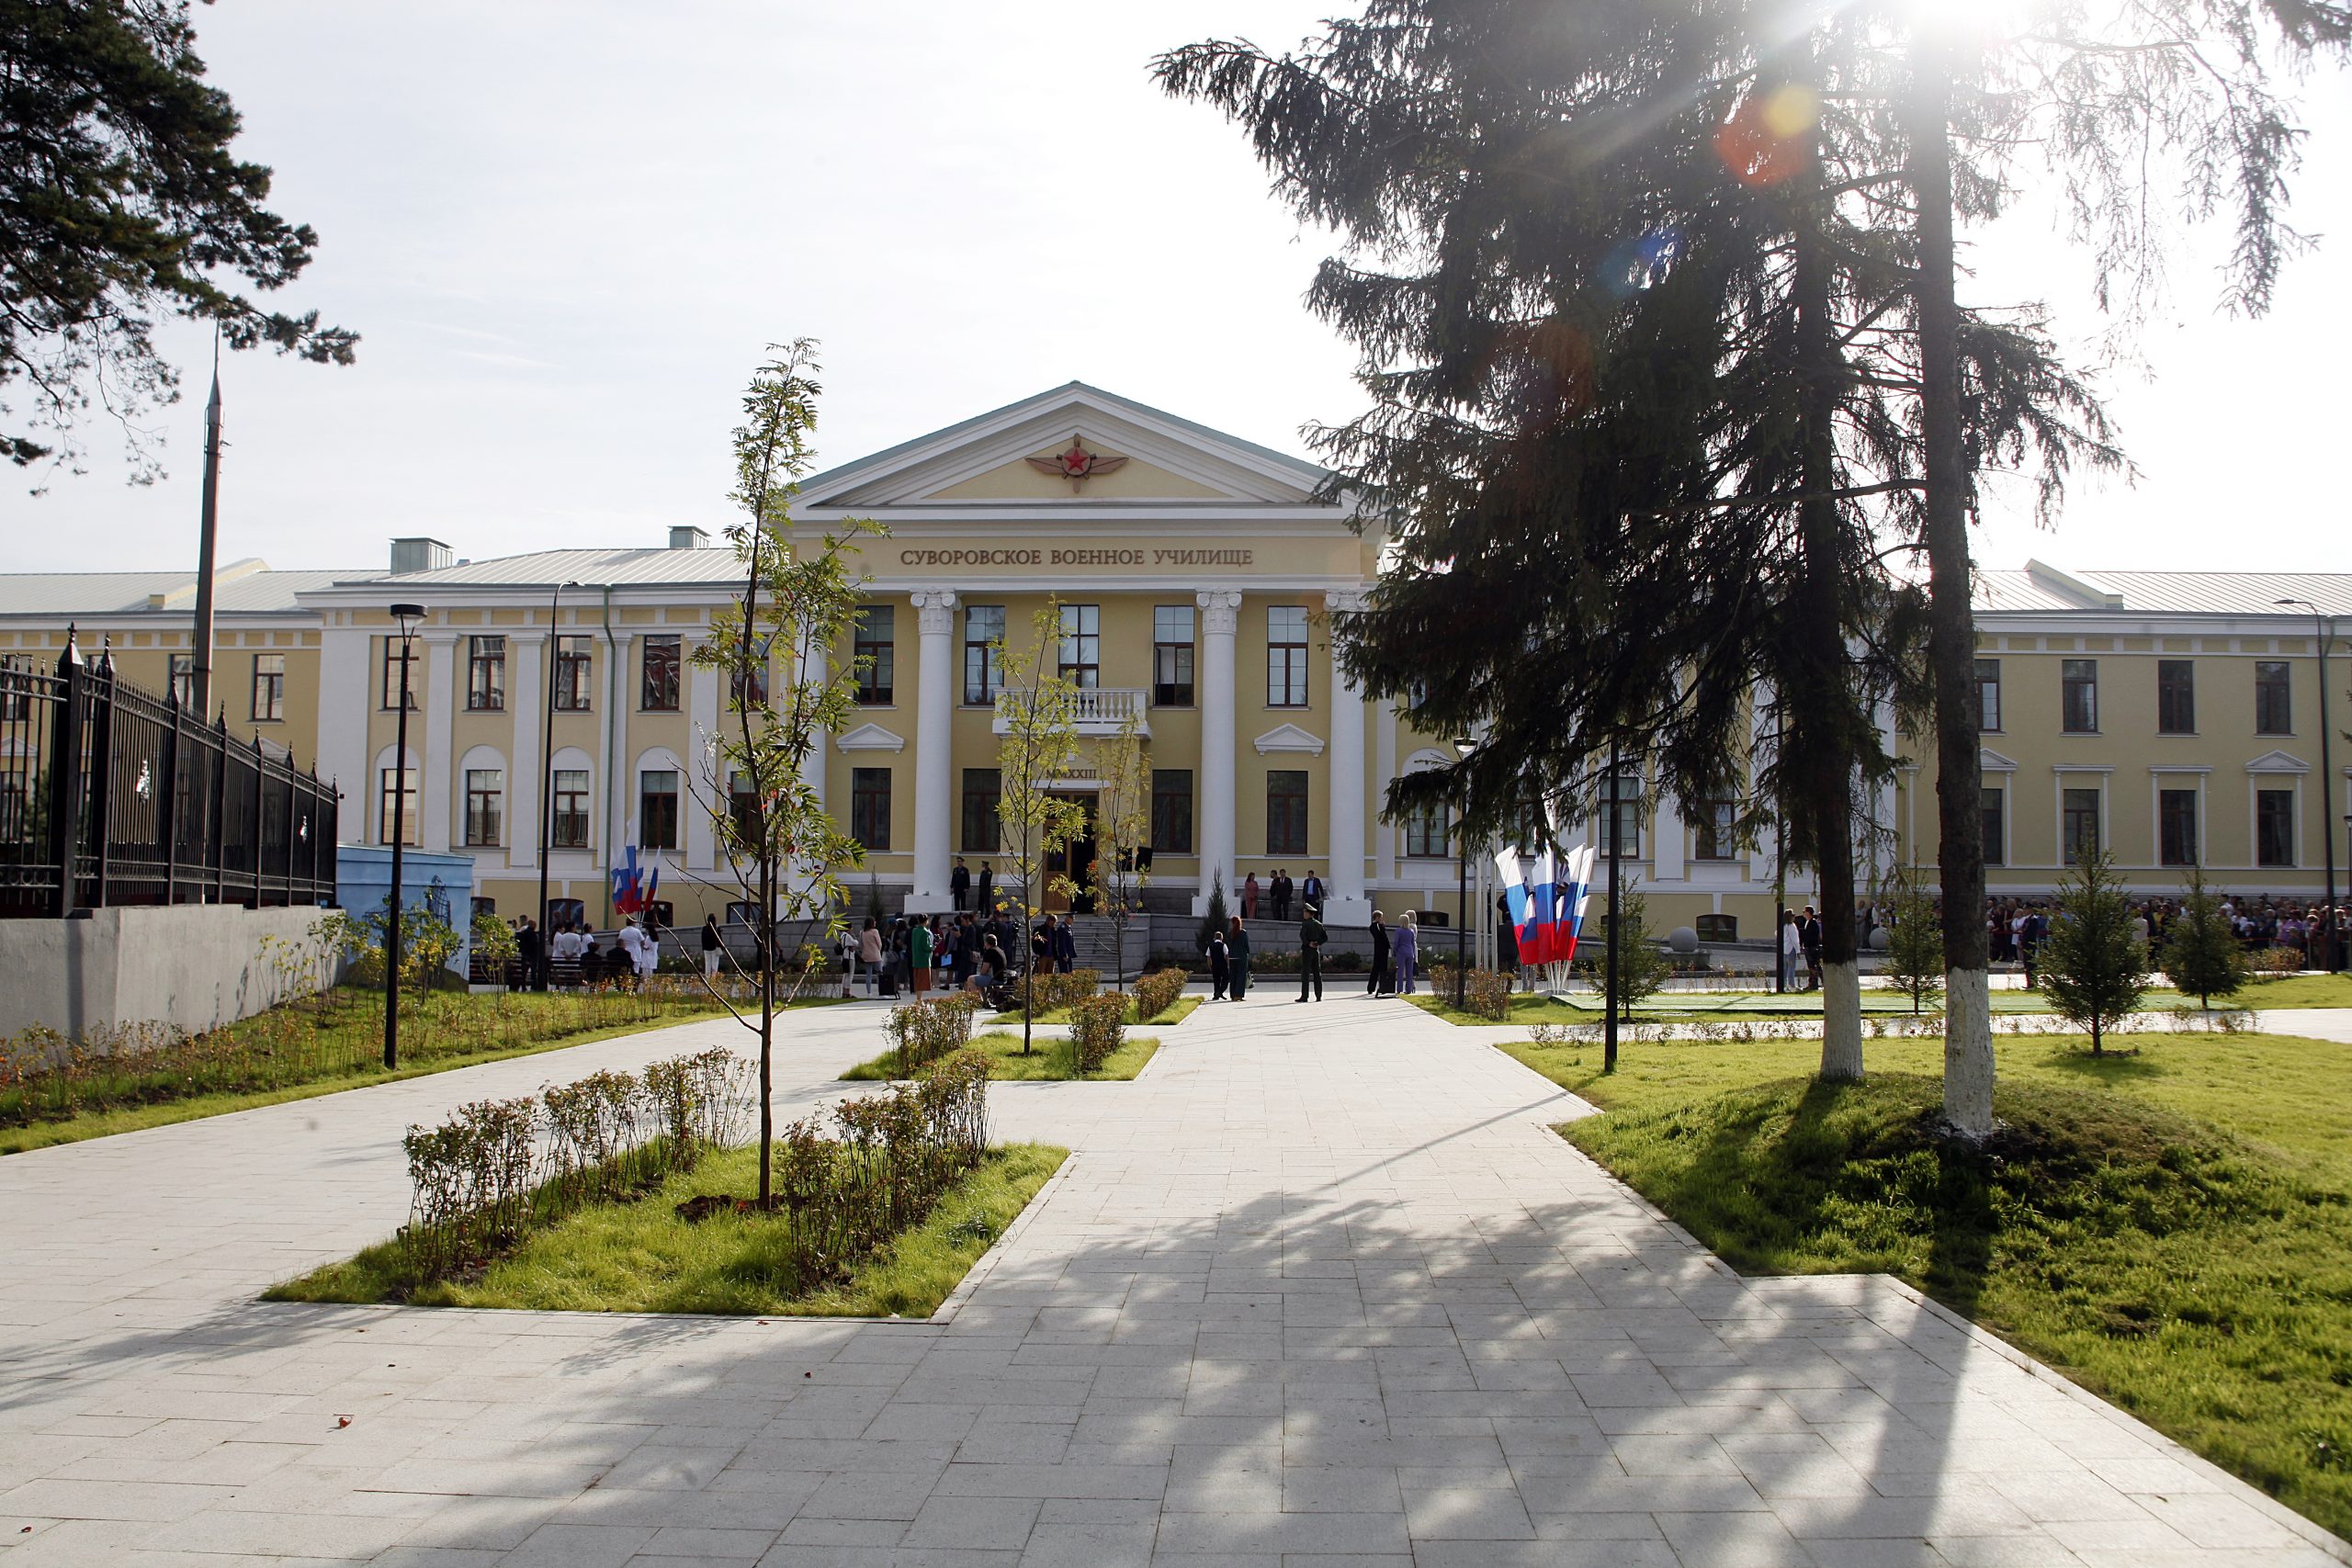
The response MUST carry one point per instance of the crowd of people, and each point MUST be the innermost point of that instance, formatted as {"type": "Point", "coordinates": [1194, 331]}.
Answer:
{"type": "Point", "coordinates": [2016, 927]}
{"type": "Point", "coordinates": [968, 949]}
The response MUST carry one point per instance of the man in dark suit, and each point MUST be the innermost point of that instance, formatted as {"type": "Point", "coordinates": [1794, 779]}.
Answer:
{"type": "Point", "coordinates": [959, 884]}
{"type": "Point", "coordinates": [1380, 982]}
{"type": "Point", "coordinates": [1279, 889]}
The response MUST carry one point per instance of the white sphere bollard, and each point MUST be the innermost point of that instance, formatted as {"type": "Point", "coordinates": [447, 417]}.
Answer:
{"type": "Point", "coordinates": [1682, 939]}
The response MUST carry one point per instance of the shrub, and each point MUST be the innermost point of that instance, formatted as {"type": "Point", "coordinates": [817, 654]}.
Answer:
{"type": "Point", "coordinates": [928, 1032]}
{"type": "Point", "coordinates": [591, 1123]}
{"type": "Point", "coordinates": [1098, 1027]}
{"type": "Point", "coordinates": [1488, 994]}
{"type": "Point", "coordinates": [2275, 963]}
{"type": "Point", "coordinates": [1156, 993]}
{"type": "Point", "coordinates": [704, 1101]}
{"type": "Point", "coordinates": [1054, 993]}
{"type": "Point", "coordinates": [472, 1183]}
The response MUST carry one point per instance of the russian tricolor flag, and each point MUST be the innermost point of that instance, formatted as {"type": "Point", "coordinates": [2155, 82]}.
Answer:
{"type": "Point", "coordinates": [1547, 900]}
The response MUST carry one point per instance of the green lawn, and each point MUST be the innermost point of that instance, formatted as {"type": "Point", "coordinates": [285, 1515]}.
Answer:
{"type": "Point", "coordinates": [1048, 1059]}
{"type": "Point", "coordinates": [641, 1257]}
{"type": "Point", "coordinates": [1178, 1011]}
{"type": "Point", "coordinates": [1716, 1007]}
{"type": "Point", "coordinates": [2170, 1226]}
{"type": "Point", "coordinates": [271, 1058]}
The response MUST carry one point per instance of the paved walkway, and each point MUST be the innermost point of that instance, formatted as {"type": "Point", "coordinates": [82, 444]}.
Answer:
{"type": "Point", "coordinates": [1319, 1289]}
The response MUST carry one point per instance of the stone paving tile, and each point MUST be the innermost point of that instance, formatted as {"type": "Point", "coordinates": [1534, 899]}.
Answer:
{"type": "Point", "coordinates": [1322, 1289]}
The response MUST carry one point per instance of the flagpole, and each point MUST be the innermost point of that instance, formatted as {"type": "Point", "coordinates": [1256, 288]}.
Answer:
{"type": "Point", "coordinates": [1609, 1030]}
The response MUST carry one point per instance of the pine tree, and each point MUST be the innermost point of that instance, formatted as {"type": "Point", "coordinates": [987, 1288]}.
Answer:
{"type": "Point", "coordinates": [121, 201]}
{"type": "Point", "coordinates": [2093, 969]}
{"type": "Point", "coordinates": [2202, 954]}
{"type": "Point", "coordinates": [1915, 945]}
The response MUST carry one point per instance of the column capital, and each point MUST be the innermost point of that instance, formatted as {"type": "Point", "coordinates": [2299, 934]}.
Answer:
{"type": "Point", "coordinates": [1220, 610]}
{"type": "Point", "coordinates": [934, 608]}
{"type": "Point", "coordinates": [1345, 601]}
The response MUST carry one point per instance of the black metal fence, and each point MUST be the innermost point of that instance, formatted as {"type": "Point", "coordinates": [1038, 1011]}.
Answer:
{"type": "Point", "coordinates": [112, 795]}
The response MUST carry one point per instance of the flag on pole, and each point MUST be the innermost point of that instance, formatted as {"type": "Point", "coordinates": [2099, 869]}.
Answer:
{"type": "Point", "coordinates": [633, 888]}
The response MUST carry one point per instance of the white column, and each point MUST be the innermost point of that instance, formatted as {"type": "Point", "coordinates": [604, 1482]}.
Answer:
{"type": "Point", "coordinates": [345, 699]}
{"type": "Point", "coordinates": [440, 717]}
{"type": "Point", "coordinates": [1220, 618]}
{"type": "Point", "coordinates": [934, 743]}
{"type": "Point", "coordinates": [1666, 839]}
{"type": "Point", "coordinates": [526, 699]}
{"type": "Point", "coordinates": [1345, 903]}
{"type": "Point", "coordinates": [705, 785]}
{"type": "Point", "coordinates": [1384, 770]}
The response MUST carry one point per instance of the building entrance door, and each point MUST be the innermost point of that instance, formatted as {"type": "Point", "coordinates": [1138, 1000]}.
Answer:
{"type": "Point", "coordinates": [1074, 859]}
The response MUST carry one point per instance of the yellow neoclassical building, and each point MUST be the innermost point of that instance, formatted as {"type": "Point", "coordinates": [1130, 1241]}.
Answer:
{"type": "Point", "coordinates": [2166, 717]}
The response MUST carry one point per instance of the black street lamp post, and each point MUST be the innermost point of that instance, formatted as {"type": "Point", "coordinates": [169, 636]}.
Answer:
{"type": "Point", "coordinates": [2332, 923]}
{"type": "Point", "coordinates": [1461, 887]}
{"type": "Point", "coordinates": [1616, 853]}
{"type": "Point", "coordinates": [408, 615]}
{"type": "Point", "coordinates": [546, 788]}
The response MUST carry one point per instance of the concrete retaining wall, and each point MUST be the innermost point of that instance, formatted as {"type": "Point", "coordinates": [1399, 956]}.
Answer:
{"type": "Point", "coordinates": [192, 965]}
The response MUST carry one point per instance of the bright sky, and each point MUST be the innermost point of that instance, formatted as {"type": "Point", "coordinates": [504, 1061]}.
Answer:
{"type": "Point", "coordinates": [566, 231]}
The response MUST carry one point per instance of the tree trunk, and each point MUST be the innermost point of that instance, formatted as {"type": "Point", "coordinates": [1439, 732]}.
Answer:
{"type": "Point", "coordinates": [767, 1029]}
{"type": "Point", "coordinates": [1952, 625]}
{"type": "Point", "coordinates": [1824, 685]}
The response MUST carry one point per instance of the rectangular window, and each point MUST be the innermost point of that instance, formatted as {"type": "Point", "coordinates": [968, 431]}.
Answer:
{"type": "Point", "coordinates": [1428, 832]}
{"type": "Point", "coordinates": [748, 688]}
{"type": "Point", "coordinates": [2274, 827]}
{"type": "Point", "coordinates": [1990, 801]}
{"type": "Point", "coordinates": [486, 674]}
{"type": "Point", "coordinates": [1082, 645]}
{"type": "Point", "coordinates": [2175, 698]}
{"type": "Point", "coordinates": [657, 808]}
{"type": "Point", "coordinates": [569, 830]}
{"type": "Point", "coordinates": [1172, 656]}
{"type": "Point", "coordinates": [269, 687]}
{"type": "Point", "coordinates": [2177, 826]}
{"type": "Point", "coordinates": [565, 913]}
{"type": "Point", "coordinates": [657, 682]}
{"type": "Point", "coordinates": [485, 907]}
{"type": "Point", "coordinates": [2274, 710]}
{"type": "Point", "coordinates": [743, 809]}
{"type": "Point", "coordinates": [1171, 811]}
{"type": "Point", "coordinates": [983, 650]}
{"type": "Point", "coordinates": [1988, 694]}
{"type": "Point", "coordinates": [1714, 831]}
{"type": "Point", "coordinates": [1285, 812]}
{"type": "Point", "coordinates": [396, 806]}
{"type": "Point", "coordinates": [575, 668]}
{"type": "Point", "coordinates": [2079, 709]}
{"type": "Point", "coordinates": [873, 649]}
{"type": "Point", "coordinates": [869, 807]}
{"type": "Point", "coordinates": [485, 796]}
{"type": "Point", "coordinates": [392, 666]}
{"type": "Point", "coordinates": [1620, 817]}
{"type": "Point", "coordinates": [184, 679]}
{"type": "Point", "coordinates": [983, 832]}
{"type": "Point", "coordinates": [2081, 828]}
{"type": "Point", "coordinates": [1286, 656]}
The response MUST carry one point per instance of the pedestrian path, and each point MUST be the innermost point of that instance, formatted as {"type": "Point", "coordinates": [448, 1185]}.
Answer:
{"type": "Point", "coordinates": [1320, 1288]}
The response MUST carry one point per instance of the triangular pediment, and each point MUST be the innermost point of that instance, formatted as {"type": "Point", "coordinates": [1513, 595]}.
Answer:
{"type": "Point", "coordinates": [2277, 762]}
{"type": "Point", "coordinates": [1289, 738]}
{"type": "Point", "coordinates": [870, 738]}
{"type": "Point", "coordinates": [1992, 761]}
{"type": "Point", "coordinates": [1124, 453]}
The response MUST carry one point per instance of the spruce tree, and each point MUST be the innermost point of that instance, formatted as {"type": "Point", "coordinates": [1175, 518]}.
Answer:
{"type": "Point", "coordinates": [1915, 945]}
{"type": "Point", "coordinates": [2093, 969]}
{"type": "Point", "coordinates": [2202, 954]}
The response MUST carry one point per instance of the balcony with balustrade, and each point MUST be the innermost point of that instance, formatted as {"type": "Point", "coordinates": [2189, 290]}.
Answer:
{"type": "Point", "coordinates": [1102, 710]}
